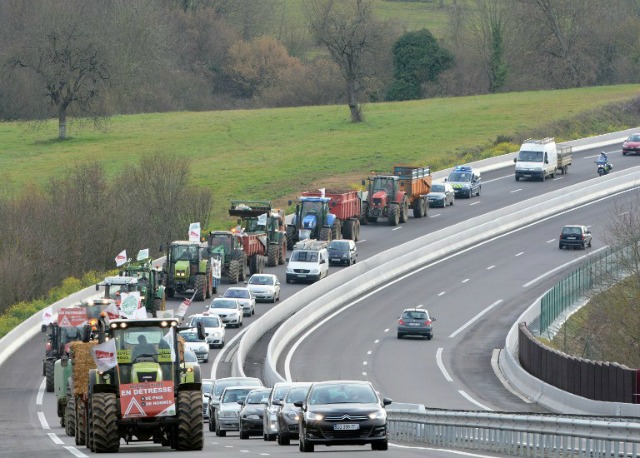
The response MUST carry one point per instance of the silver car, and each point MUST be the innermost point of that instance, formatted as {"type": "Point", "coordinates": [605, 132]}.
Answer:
{"type": "Point", "coordinates": [244, 296]}
{"type": "Point", "coordinates": [441, 195]}
{"type": "Point", "coordinates": [227, 413]}
{"type": "Point", "coordinates": [265, 287]}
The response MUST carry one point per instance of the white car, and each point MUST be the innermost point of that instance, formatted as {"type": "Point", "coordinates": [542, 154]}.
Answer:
{"type": "Point", "coordinates": [198, 346]}
{"type": "Point", "coordinates": [229, 310]}
{"type": "Point", "coordinates": [213, 328]}
{"type": "Point", "coordinates": [265, 287]}
{"type": "Point", "coordinates": [244, 296]}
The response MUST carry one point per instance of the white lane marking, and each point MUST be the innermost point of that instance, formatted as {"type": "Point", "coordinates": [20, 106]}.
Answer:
{"type": "Point", "coordinates": [386, 330]}
{"type": "Point", "coordinates": [54, 437]}
{"type": "Point", "coordinates": [74, 451]}
{"type": "Point", "coordinates": [369, 352]}
{"type": "Point", "coordinates": [43, 421]}
{"type": "Point", "coordinates": [473, 401]}
{"type": "Point", "coordinates": [41, 392]}
{"type": "Point", "coordinates": [475, 203]}
{"type": "Point", "coordinates": [364, 363]}
{"type": "Point", "coordinates": [378, 340]}
{"type": "Point", "coordinates": [419, 306]}
{"type": "Point", "coordinates": [396, 228]}
{"type": "Point", "coordinates": [364, 374]}
{"type": "Point", "coordinates": [435, 216]}
{"type": "Point", "coordinates": [441, 293]}
{"type": "Point", "coordinates": [516, 190]}
{"type": "Point", "coordinates": [361, 240]}
{"type": "Point", "coordinates": [519, 254]}
{"type": "Point", "coordinates": [491, 267]}
{"type": "Point", "coordinates": [551, 241]}
{"type": "Point", "coordinates": [546, 274]}
{"type": "Point", "coordinates": [623, 213]}
{"type": "Point", "coordinates": [431, 449]}
{"type": "Point", "coordinates": [441, 365]}
{"type": "Point", "coordinates": [465, 280]}
{"type": "Point", "coordinates": [475, 318]}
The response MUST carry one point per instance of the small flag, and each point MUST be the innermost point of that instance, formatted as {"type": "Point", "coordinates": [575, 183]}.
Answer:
{"type": "Point", "coordinates": [104, 355]}
{"type": "Point", "coordinates": [194, 232]}
{"type": "Point", "coordinates": [129, 304]}
{"type": "Point", "coordinates": [322, 190]}
{"type": "Point", "coordinates": [142, 254]}
{"type": "Point", "coordinates": [112, 311]}
{"type": "Point", "coordinates": [168, 338]}
{"type": "Point", "coordinates": [121, 258]}
{"type": "Point", "coordinates": [140, 313]}
{"type": "Point", "coordinates": [182, 310]}
{"type": "Point", "coordinates": [47, 315]}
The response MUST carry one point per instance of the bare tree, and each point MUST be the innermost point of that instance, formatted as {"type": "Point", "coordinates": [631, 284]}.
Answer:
{"type": "Point", "coordinates": [350, 33]}
{"type": "Point", "coordinates": [489, 29]}
{"type": "Point", "coordinates": [71, 68]}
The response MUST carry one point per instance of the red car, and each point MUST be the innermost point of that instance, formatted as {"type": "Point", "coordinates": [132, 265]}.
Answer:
{"type": "Point", "coordinates": [631, 145]}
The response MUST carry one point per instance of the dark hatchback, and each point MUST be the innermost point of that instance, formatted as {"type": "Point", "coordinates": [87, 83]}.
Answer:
{"type": "Point", "coordinates": [343, 413]}
{"type": "Point", "coordinates": [575, 236]}
{"type": "Point", "coordinates": [252, 411]}
{"type": "Point", "coordinates": [289, 414]}
{"type": "Point", "coordinates": [415, 322]}
{"type": "Point", "coordinates": [342, 251]}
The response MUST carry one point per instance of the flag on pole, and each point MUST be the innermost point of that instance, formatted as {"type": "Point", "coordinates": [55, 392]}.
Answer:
{"type": "Point", "coordinates": [194, 232]}
{"type": "Point", "coordinates": [129, 304]}
{"type": "Point", "coordinates": [104, 355]}
{"type": "Point", "coordinates": [112, 311]}
{"type": "Point", "coordinates": [322, 190]}
{"type": "Point", "coordinates": [168, 338]}
{"type": "Point", "coordinates": [142, 254]}
{"type": "Point", "coordinates": [121, 258]}
{"type": "Point", "coordinates": [47, 315]}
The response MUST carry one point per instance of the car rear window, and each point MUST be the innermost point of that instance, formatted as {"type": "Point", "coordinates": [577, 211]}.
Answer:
{"type": "Point", "coordinates": [414, 315]}
{"type": "Point", "coordinates": [572, 230]}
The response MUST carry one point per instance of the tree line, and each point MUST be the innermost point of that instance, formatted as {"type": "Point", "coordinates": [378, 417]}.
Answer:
{"type": "Point", "coordinates": [94, 59]}
{"type": "Point", "coordinates": [81, 222]}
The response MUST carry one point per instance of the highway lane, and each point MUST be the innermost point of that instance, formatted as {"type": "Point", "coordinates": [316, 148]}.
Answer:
{"type": "Point", "coordinates": [374, 238]}
{"type": "Point", "coordinates": [475, 295]}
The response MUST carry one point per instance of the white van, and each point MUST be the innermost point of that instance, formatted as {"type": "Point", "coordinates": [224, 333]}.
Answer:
{"type": "Point", "coordinates": [309, 261]}
{"type": "Point", "coordinates": [537, 159]}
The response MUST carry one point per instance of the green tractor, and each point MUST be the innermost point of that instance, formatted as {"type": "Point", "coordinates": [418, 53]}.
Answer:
{"type": "Point", "coordinates": [227, 246]}
{"type": "Point", "coordinates": [147, 395]}
{"type": "Point", "coordinates": [265, 224]}
{"type": "Point", "coordinates": [152, 291]}
{"type": "Point", "coordinates": [188, 270]}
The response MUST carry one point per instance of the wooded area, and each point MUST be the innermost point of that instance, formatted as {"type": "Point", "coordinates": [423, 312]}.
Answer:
{"type": "Point", "coordinates": [94, 59]}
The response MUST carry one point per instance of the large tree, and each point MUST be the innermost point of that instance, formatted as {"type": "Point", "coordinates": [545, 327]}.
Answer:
{"type": "Point", "coordinates": [350, 33]}
{"type": "Point", "coordinates": [70, 66]}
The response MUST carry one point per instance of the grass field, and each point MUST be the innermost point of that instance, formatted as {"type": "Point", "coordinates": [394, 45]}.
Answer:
{"type": "Point", "coordinates": [274, 154]}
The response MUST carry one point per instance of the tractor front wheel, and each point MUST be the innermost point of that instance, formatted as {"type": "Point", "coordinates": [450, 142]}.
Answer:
{"type": "Point", "coordinates": [394, 216]}
{"type": "Point", "coordinates": [80, 421]}
{"type": "Point", "coordinates": [234, 271]}
{"type": "Point", "coordinates": [104, 413]}
{"type": "Point", "coordinates": [325, 234]}
{"type": "Point", "coordinates": [404, 211]}
{"type": "Point", "coordinates": [282, 253]}
{"type": "Point", "coordinates": [272, 255]}
{"type": "Point", "coordinates": [189, 427]}
{"type": "Point", "coordinates": [291, 237]}
{"type": "Point", "coordinates": [70, 415]}
{"type": "Point", "coordinates": [200, 286]}
{"type": "Point", "coordinates": [49, 366]}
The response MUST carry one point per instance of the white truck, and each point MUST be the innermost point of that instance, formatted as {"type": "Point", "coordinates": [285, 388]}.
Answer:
{"type": "Point", "coordinates": [539, 159]}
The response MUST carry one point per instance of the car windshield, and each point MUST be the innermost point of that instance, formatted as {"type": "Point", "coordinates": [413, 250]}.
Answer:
{"type": "Point", "coordinates": [342, 393]}
{"type": "Point", "coordinates": [190, 336]}
{"type": "Point", "coordinates": [235, 395]}
{"type": "Point", "coordinates": [437, 188]}
{"type": "Point", "coordinates": [460, 176]}
{"type": "Point", "coordinates": [572, 230]}
{"type": "Point", "coordinates": [208, 321]}
{"type": "Point", "coordinates": [222, 384]}
{"type": "Point", "coordinates": [237, 293]}
{"type": "Point", "coordinates": [634, 138]}
{"type": "Point", "coordinates": [260, 280]}
{"type": "Point", "coordinates": [414, 315]}
{"type": "Point", "coordinates": [256, 397]}
{"type": "Point", "coordinates": [280, 391]}
{"type": "Point", "coordinates": [184, 252]}
{"type": "Point", "coordinates": [305, 256]}
{"type": "Point", "coordinates": [339, 245]}
{"type": "Point", "coordinates": [223, 304]}
{"type": "Point", "coordinates": [206, 386]}
{"type": "Point", "coordinates": [530, 156]}
{"type": "Point", "coordinates": [297, 394]}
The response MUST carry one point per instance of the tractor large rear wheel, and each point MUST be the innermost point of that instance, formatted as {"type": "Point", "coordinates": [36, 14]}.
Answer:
{"type": "Point", "coordinates": [336, 230]}
{"type": "Point", "coordinates": [282, 253]}
{"type": "Point", "coordinates": [291, 237]}
{"type": "Point", "coordinates": [104, 413]}
{"type": "Point", "coordinates": [189, 427]}
{"type": "Point", "coordinates": [70, 415]}
{"type": "Point", "coordinates": [325, 234]}
{"type": "Point", "coordinates": [234, 271]}
{"type": "Point", "coordinates": [347, 229]}
{"type": "Point", "coordinates": [404, 211]}
{"type": "Point", "coordinates": [49, 366]}
{"type": "Point", "coordinates": [200, 286]}
{"type": "Point", "coordinates": [242, 266]}
{"type": "Point", "coordinates": [418, 207]}
{"type": "Point", "coordinates": [272, 255]}
{"type": "Point", "coordinates": [81, 428]}
{"type": "Point", "coordinates": [394, 216]}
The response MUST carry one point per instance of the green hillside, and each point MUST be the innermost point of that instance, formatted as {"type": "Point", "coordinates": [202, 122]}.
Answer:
{"type": "Point", "coordinates": [275, 153]}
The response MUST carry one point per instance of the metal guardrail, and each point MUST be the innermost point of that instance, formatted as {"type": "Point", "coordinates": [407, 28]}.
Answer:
{"type": "Point", "coordinates": [534, 435]}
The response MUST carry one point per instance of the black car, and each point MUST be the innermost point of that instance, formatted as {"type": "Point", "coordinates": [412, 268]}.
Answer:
{"type": "Point", "coordinates": [342, 251]}
{"type": "Point", "coordinates": [252, 411]}
{"type": "Point", "coordinates": [289, 414]}
{"type": "Point", "coordinates": [575, 236]}
{"type": "Point", "coordinates": [343, 413]}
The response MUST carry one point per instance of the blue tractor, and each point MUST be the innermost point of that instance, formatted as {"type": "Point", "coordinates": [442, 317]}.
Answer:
{"type": "Point", "coordinates": [313, 220]}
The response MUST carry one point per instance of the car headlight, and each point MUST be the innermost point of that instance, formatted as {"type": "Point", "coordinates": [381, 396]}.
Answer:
{"type": "Point", "coordinates": [312, 416]}
{"type": "Point", "coordinates": [289, 270]}
{"type": "Point", "coordinates": [253, 417]}
{"type": "Point", "coordinates": [314, 271]}
{"type": "Point", "coordinates": [215, 335]}
{"type": "Point", "coordinates": [232, 315]}
{"type": "Point", "coordinates": [291, 416]}
{"type": "Point", "coordinates": [202, 348]}
{"type": "Point", "coordinates": [378, 415]}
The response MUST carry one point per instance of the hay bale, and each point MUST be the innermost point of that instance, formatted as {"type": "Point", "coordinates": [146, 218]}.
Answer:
{"type": "Point", "coordinates": [181, 348]}
{"type": "Point", "coordinates": [82, 363]}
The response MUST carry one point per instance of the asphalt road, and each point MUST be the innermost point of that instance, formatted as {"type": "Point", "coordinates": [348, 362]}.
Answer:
{"type": "Point", "coordinates": [489, 279]}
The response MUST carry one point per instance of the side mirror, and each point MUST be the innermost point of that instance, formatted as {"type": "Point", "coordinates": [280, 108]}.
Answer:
{"type": "Point", "coordinates": [515, 159]}
{"type": "Point", "coordinates": [206, 395]}
{"type": "Point", "coordinates": [433, 318]}
{"type": "Point", "coordinates": [43, 328]}
{"type": "Point", "coordinates": [277, 402]}
{"type": "Point", "coordinates": [287, 259]}
{"type": "Point", "coordinates": [386, 401]}
{"type": "Point", "coordinates": [446, 179]}
{"type": "Point", "coordinates": [299, 404]}
{"type": "Point", "coordinates": [241, 403]}
{"type": "Point", "coordinates": [214, 402]}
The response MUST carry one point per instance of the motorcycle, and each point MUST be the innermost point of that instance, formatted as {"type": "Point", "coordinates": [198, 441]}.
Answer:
{"type": "Point", "coordinates": [604, 168]}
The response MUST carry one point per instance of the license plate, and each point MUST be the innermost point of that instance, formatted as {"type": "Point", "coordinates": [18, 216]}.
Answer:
{"type": "Point", "coordinates": [414, 324]}
{"type": "Point", "coordinates": [302, 275]}
{"type": "Point", "coordinates": [571, 238]}
{"type": "Point", "coordinates": [335, 259]}
{"type": "Point", "coordinates": [346, 426]}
